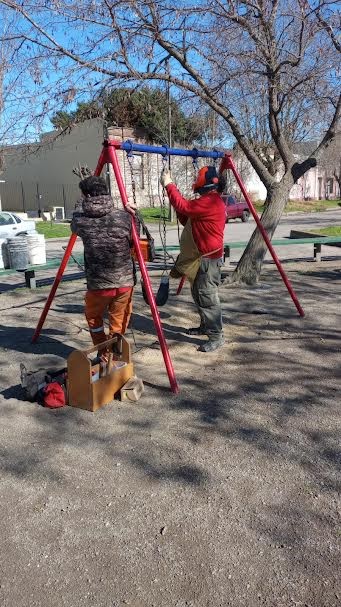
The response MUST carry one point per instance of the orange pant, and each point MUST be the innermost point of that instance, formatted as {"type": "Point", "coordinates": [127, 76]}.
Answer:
{"type": "Point", "coordinates": [119, 311]}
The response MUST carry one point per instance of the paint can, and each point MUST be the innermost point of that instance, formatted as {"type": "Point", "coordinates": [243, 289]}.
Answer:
{"type": "Point", "coordinates": [17, 249]}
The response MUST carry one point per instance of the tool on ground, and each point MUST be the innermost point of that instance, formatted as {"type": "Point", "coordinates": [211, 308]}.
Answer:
{"type": "Point", "coordinates": [133, 389]}
{"type": "Point", "coordinates": [93, 386]}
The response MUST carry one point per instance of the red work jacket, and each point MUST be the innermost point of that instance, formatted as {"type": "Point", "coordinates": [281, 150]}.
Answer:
{"type": "Point", "coordinates": [207, 215]}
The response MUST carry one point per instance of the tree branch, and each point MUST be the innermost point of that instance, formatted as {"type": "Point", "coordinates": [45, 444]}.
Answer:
{"type": "Point", "coordinates": [299, 169]}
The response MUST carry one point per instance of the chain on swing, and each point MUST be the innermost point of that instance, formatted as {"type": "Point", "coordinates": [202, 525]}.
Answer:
{"type": "Point", "coordinates": [195, 167]}
{"type": "Point", "coordinates": [163, 290]}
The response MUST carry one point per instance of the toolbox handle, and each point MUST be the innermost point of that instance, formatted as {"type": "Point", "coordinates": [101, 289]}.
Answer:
{"type": "Point", "coordinates": [126, 355]}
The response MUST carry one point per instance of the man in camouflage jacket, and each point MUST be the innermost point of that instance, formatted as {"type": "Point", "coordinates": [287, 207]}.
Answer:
{"type": "Point", "coordinates": [106, 233]}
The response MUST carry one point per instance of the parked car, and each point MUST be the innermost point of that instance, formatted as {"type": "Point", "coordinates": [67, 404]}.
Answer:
{"type": "Point", "coordinates": [235, 209]}
{"type": "Point", "coordinates": [12, 225]}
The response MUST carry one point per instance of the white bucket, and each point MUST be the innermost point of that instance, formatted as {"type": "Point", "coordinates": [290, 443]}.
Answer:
{"type": "Point", "coordinates": [36, 249]}
{"type": "Point", "coordinates": [4, 261]}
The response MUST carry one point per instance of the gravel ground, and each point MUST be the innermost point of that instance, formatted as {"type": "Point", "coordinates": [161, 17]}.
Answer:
{"type": "Point", "coordinates": [224, 495]}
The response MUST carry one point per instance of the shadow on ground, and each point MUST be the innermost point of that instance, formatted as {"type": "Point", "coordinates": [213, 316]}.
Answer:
{"type": "Point", "coordinates": [244, 463]}
{"type": "Point", "coordinates": [221, 393]}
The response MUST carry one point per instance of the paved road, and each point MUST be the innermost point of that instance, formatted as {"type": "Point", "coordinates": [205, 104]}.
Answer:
{"type": "Point", "coordinates": [237, 231]}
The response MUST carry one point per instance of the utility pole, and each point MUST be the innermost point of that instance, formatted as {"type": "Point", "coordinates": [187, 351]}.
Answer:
{"type": "Point", "coordinates": [1, 181]}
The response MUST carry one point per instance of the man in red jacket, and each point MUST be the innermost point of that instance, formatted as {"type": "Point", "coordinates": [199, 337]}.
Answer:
{"type": "Point", "coordinates": [201, 248]}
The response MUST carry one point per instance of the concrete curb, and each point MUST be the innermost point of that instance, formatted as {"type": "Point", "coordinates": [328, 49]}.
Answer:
{"type": "Point", "coordinates": [311, 212]}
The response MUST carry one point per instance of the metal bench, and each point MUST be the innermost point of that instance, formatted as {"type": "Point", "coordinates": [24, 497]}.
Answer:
{"type": "Point", "coordinates": [317, 243]}
{"type": "Point", "coordinates": [309, 236]}
{"type": "Point", "coordinates": [78, 259]}
{"type": "Point", "coordinates": [30, 277]}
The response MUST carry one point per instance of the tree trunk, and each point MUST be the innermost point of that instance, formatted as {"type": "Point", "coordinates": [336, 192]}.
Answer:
{"type": "Point", "coordinates": [250, 264]}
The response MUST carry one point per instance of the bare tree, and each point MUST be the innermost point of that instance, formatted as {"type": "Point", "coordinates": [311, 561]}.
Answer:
{"type": "Point", "coordinates": [330, 163]}
{"type": "Point", "coordinates": [267, 68]}
{"type": "Point", "coordinates": [17, 94]}
{"type": "Point", "coordinates": [3, 70]}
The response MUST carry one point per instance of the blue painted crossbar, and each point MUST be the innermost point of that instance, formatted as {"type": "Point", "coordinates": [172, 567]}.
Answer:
{"type": "Point", "coordinates": [130, 146]}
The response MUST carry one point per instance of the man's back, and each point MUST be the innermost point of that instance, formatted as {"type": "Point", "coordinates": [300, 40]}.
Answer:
{"type": "Point", "coordinates": [106, 235]}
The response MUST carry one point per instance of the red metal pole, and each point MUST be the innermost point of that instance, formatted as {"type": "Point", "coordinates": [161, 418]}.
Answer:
{"type": "Point", "coordinates": [181, 284]}
{"type": "Point", "coordinates": [227, 163]}
{"type": "Point", "coordinates": [112, 156]}
{"type": "Point", "coordinates": [54, 288]}
{"type": "Point", "coordinates": [103, 159]}
{"type": "Point", "coordinates": [66, 257]}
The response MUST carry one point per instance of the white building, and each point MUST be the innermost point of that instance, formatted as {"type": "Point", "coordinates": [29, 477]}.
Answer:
{"type": "Point", "coordinates": [318, 183]}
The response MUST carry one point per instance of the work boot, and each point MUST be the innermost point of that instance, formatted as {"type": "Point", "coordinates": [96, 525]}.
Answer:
{"type": "Point", "coordinates": [212, 344]}
{"type": "Point", "coordinates": [197, 331]}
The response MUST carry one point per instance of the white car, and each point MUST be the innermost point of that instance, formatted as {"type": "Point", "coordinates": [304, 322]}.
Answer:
{"type": "Point", "coordinates": [12, 225]}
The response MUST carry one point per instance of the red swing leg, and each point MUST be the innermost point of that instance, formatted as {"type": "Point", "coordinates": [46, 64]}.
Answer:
{"type": "Point", "coordinates": [54, 288]}
{"type": "Point", "coordinates": [181, 284]}
{"type": "Point", "coordinates": [227, 163]}
{"type": "Point", "coordinates": [112, 158]}
{"type": "Point", "coordinates": [63, 265]}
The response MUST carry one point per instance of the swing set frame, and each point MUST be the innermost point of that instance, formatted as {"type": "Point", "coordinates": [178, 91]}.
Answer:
{"type": "Point", "coordinates": [109, 156]}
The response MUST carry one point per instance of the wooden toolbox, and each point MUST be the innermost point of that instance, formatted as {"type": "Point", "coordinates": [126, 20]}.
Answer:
{"type": "Point", "coordinates": [91, 386]}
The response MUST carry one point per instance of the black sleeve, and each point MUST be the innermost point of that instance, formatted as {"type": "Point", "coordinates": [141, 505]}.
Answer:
{"type": "Point", "coordinates": [75, 227]}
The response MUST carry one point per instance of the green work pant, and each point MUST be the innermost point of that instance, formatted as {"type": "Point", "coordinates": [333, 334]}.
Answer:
{"type": "Point", "coordinates": [206, 296]}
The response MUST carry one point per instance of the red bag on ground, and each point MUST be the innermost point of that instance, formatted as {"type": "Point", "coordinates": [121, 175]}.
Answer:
{"type": "Point", "coordinates": [54, 396]}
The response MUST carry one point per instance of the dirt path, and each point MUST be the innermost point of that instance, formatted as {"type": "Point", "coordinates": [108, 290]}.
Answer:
{"type": "Point", "coordinates": [226, 495]}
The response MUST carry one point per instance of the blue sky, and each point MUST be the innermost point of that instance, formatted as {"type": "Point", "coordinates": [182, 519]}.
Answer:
{"type": "Point", "coordinates": [47, 83]}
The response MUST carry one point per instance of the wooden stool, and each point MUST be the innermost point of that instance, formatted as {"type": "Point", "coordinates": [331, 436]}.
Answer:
{"type": "Point", "coordinates": [92, 386]}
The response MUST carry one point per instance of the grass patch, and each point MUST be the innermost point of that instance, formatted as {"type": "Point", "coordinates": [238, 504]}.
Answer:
{"type": "Point", "coordinates": [331, 231]}
{"type": "Point", "coordinates": [151, 214]}
{"type": "Point", "coordinates": [305, 206]}
{"type": "Point", "coordinates": [259, 206]}
{"type": "Point", "coordinates": [54, 230]}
